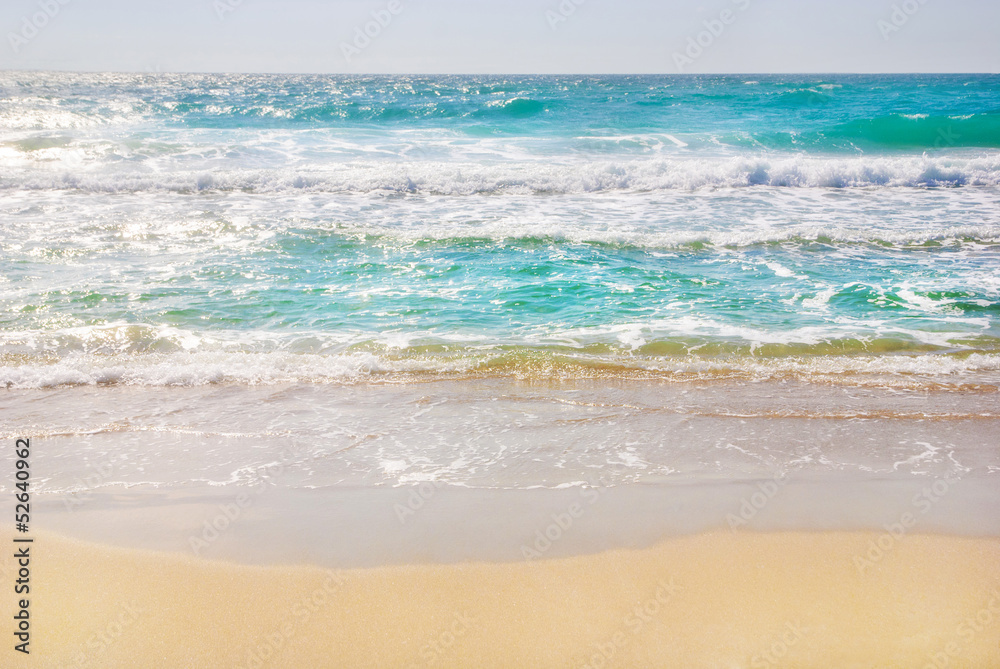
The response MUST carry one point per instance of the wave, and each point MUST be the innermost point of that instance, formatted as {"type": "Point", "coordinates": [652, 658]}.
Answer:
{"type": "Point", "coordinates": [902, 131]}
{"type": "Point", "coordinates": [682, 335]}
{"type": "Point", "coordinates": [518, 107]}
{"type": "Point", "coordinates": [199, 369]}
{"type": "Point", "coordinates": [450, 178]}
{"type": "Point", "coordinates": [159, 358]}
{"type": "Point", "coordinates": [531, 233]}
{"type": "Point", "coordinates": [897, 132]}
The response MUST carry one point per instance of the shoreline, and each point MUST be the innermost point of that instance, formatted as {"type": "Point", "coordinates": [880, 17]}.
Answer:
{"type": "Point", "coordinates": [498, 433]}
{"type": "Point", "coordinates": [428, 523]}
{"type": "Point", "coordinates": [745, 599]}
{"type": "Point", "coordinates": [961, 365]}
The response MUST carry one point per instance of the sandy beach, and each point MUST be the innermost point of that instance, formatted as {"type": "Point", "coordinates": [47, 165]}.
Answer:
{"type": "Point", "coordinates": [787, 599]}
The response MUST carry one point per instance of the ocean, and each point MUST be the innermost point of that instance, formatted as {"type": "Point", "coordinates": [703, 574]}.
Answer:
{"type": "Point", "coordinates": [190, 229]}
{"type": "Point", "coordinates": [309, 232]}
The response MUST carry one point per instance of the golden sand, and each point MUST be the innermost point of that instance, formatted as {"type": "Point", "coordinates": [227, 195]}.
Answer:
{"type": "Point", "coordinates": [720, 600]}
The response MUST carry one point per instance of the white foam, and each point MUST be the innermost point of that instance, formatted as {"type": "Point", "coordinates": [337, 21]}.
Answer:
{"type": "Point", "coordinates": [822, 299]}
{"type": "Point", "coordinates": [519, 177]}
{"type": "Point", "coordinates": [199, 369]}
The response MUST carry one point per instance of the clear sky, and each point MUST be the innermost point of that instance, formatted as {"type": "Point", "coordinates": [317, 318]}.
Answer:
{"type": "Point", "coordinates": [502, 36]}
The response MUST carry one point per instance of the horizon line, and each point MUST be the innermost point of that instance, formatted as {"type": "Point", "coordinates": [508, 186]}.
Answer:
{"type": "Point", "coordinates": [501, 74]}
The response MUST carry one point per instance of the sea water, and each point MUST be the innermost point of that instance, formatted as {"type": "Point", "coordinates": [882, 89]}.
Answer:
{"type": "Point", "coordinates": [191, 229]}
{"type": "Point", "coordinates": [499, 282]}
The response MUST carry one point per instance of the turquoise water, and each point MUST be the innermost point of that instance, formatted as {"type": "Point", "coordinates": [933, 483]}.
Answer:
{"type": "Point", "coordinates": [188, 229]}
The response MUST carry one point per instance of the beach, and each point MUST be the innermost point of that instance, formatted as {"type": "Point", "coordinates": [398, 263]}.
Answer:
{"type": "Point", "coordinates": [687, 557]}
{"type": "Point", "coordinates": [788, 599]}
{"type": "Point", "coordinates": [470, 371]}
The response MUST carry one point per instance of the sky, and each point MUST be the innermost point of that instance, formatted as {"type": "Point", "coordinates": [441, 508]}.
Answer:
{"type": "Point", "coordinates": [501, 36]}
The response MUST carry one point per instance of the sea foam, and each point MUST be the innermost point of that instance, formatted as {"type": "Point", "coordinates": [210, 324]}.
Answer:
{"type": "Point", "coordinates": [513, 177]}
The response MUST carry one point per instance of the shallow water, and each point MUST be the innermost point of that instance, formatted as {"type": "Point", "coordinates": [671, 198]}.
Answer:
{"type": "Point", "coordinates": [500, 433]}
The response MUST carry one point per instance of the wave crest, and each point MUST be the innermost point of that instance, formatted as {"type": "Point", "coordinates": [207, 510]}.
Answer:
{"type": "Point", "coordinates": [449, 178]}
{"type": "Point", "coordinates": [224, 367]}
